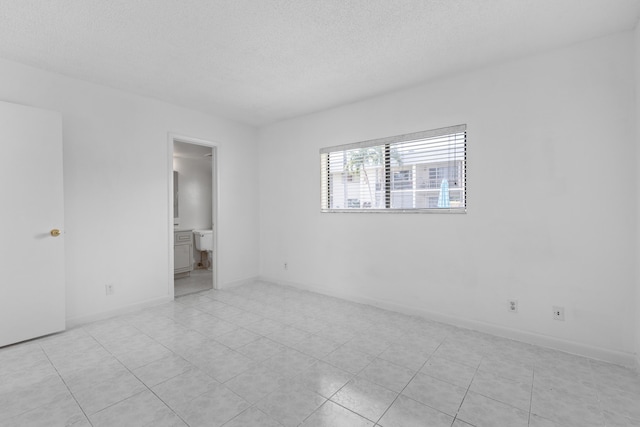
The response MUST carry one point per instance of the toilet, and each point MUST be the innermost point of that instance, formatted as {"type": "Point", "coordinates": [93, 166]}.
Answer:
{"type": "Point", "coordinates": [204, 242]}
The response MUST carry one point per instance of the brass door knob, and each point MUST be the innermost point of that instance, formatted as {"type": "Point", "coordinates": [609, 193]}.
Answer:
{"type": "Point", "coordinates": [55, 232]}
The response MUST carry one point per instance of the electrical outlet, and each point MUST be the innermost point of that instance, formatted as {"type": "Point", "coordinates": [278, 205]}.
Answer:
{"type": "Point", "coordinates": [558, 313]}
{"type": "Point", "coordinates": [286, 265]}
{"type": "Point", "coordinates": [109, 288]}
{"type": "Point", "coordinates": [512, 305]}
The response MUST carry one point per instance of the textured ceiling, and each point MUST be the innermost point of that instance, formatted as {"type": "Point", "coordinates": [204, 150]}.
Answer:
{"type": "Point", "coordinates": [261, 61]}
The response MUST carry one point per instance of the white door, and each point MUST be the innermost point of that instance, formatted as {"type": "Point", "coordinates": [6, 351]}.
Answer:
{"type": "Point", "coordinates": [32, 285]}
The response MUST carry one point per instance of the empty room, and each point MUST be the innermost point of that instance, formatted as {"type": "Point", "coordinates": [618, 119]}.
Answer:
{"type": "Point", "coordinates": [353, 213]}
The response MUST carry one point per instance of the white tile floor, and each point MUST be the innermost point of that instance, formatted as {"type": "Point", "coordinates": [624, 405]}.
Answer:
{"type": "Point", "coordinates": [266, 355]}
{"type": "Point", "coordinates": [198, 280]}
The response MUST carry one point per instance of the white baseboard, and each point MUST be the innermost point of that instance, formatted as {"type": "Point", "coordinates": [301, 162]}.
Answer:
{"type": "Point", "coordinates": [238, 282]}
{"type": "Point", "coordinates": [73, 322]}
{"type": "Point", "coordinates": [617, 357]}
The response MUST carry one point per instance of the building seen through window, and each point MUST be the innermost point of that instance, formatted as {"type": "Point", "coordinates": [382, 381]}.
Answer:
{"type": "Point", "coordinates": [412, 174]}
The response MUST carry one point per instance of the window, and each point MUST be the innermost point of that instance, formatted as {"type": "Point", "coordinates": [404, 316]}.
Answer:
{"type": "Point", "coordinates": [417, 172]}
{"type": "Point", "coordinates": [439, 172]}
{"type": "Point", "coordinates": [402, 180]}
{"type": "Point", "coordinates": [353, 203]}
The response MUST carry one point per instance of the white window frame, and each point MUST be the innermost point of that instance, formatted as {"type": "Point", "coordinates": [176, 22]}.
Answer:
{"type": "Point", "coordinates": [457, 135]}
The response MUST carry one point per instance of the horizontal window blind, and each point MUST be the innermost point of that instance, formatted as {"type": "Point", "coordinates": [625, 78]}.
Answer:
{"type": "Point", "coordinates": [417, 172]}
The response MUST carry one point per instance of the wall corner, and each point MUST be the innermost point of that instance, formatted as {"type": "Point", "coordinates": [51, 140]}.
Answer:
{"type": "Point", "coordinates": [637, 181]}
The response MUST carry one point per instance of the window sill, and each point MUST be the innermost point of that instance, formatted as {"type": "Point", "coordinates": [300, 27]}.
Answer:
{"type": "Point", "coordinates": [397, 211]}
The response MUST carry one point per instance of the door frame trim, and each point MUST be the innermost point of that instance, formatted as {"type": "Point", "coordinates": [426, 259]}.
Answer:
{"type": "Point", "coordinates": [215, 198]}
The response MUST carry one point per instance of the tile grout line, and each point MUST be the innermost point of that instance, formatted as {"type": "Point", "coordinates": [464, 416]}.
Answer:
{"type": "Point", "coordinates": [142, 382]}
{"type": "Point", "coordinates": [492, 399]}
{"type": "Point", "coordinates": [194, 306]}
{"type": "Point", "coordinates": [409, 382]}
{"type": "Point", "coordinates": [336, 367]}
{"type": "Point", "coordinates": [533, 379]}
{"type": "Point", "coordinates": [133, 374]}
{"type": "Point", "coordinates": [66, 385]}
{"type": "Point", "coordinates": [183, 321]}
{"type": "Point", "coordinates": [468, 387]}
{"type": "Point", "coordinates": [467, 391]}
{"type": "Point", "coordinates": [285, 346]}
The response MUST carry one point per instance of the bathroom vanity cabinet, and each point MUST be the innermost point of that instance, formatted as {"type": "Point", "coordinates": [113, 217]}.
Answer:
{"type": "Point", "coordinates": [182, 252]}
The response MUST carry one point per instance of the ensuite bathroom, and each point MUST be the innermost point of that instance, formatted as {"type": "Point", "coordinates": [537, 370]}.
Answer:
{"type": "Point", "coordinates": [193, 186]}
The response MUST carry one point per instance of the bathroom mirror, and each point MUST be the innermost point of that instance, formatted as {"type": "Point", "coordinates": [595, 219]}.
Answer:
{"type": "Point", "coordinates": [175, 198]}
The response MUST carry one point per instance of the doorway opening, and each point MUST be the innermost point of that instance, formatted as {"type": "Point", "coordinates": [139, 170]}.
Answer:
{"type": "Point", "coordinates": [193, 212]}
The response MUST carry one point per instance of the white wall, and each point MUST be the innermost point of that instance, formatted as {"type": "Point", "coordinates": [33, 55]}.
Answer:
{"type": "Point", "coordinates": [194, 197]}
{"type": "Point", "coordinates": [116, 187]}
{"type": "Point", "coordinates": [551, 196]}
{"type": "Point", "coordinates": [637, 75]}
